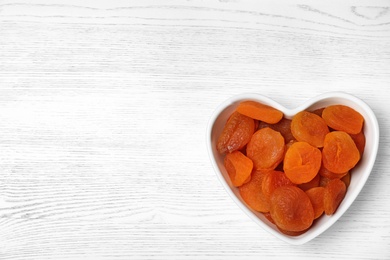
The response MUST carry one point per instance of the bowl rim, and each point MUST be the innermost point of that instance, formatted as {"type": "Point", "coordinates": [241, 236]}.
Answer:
{"type": "Point", "coordinates": [306, 237]}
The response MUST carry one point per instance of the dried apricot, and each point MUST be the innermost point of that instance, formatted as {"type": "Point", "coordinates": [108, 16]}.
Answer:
{"type": "Point", "coordinates": [257, 122]}
{"type": "Point", "coordinates": [302, 162]}
{"type": "Point", "coordinates": [251, 193]}
{"type": "Point", "coordinates": [340, 153]}
{"type": "Point", "coordinates": [346, 179]}
{"type": "Point", "coordinates": [248, 179]}
{"type": "Point", "coordinates": [273, 180]}
{"type": "Point", "coordinates": [288, 145]}
{"type": "Point", "coordinates": [292, 233]}
{"type": "Point", "coordinates": [324, 181]}
{"type": "Point", "coordinates": [334, 193]}
{"type": "Point", "coordinates": [315, 182]}
{"type": "Point", "coordinates": [309, 127]}
{"type": "Point", "coordinates": [259, 111]}
{"type": "Point", "coordinates": [239, 167]}
{"type": "Point", "coordinates": [331, 175]}
{"type": "Point", "coordinates": [268, 216]}
{"type": "Point", "coordinates": [291, 209]}
{"type": "Point", "coordinates": [316, 196]}
{"type": "Point", "coordinates": [360, 141]}
{"type": "Point", "coordinates": [236, 133]}
{"type": "Point", "coordinates": [318, 111]}
{"type": "Point", "coordinates": [266, 149]}
{"type": "Point", "coordinates": [283, 127]}
{"type": "Point", "coordinates": [343, 118]}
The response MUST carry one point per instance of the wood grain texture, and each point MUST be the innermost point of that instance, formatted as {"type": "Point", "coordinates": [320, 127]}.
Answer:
{"type": "Point", "coordinates": [104, 107]}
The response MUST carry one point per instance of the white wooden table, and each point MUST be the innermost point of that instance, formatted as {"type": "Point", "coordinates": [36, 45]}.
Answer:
{"type": "Point", "coordinates": [103, 113]}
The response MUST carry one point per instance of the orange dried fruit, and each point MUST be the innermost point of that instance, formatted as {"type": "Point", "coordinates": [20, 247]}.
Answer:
{"type": "Point", "coordinates": [315, 182]}
{"type": "Point", "coordinates": [360, 141]}
{"type": "Point", "coordinates": [272, 181]}
{"type": "Point", "coordinates": [251, 193]}
{"type": "Point", "coordinates": [316, 196]}
{"type": "Point", "coordinates": [283, 127]}
{"type": "Point", "coordinates": [257, 122]}
{"type": "Point", "coordinates": [291, 209]}
{"type": "Point", "coordinates": [343, 118]}
{"type": "Point", "coordinates": [266, 149]}
{"type": "Point", "coordinates": [318, 111]}
{"type": "Point", "coordinates": [302, 162]}
{"type": "Point", "coordinates": [288, 145]}
{"type": "Point", "coordinates": [292, 233]}
{"type": "Point", "coordinates": [340, 153]}
{"type": "Point", "coordinates": [334, 193]}
{"type": "Point", "coordinates": [239, 167]}
{"type": "Point", "coordinates": [248, 179]}
{"type": "Point", "coordinates": [260, 111]}
{"type": "Point", "coordinates": [309, 127]}
{"type": "Point", "coordinates": [330, 175]}
{"type": "Point", "coordinates": [324, 181]}
{"type": "Point", "coordinates": [268, 216]}
{"type": "Point", "coordinates": [346, 179]}
{"type": "Point", "coordinates": [236, 133]}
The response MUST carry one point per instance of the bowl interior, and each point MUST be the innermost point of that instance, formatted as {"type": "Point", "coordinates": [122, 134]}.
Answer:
{"type": "Point", "coordinates": [359, 174]}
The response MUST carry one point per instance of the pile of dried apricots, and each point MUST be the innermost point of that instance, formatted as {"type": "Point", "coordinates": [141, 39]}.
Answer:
{"type": "Point", "coordinates": [294, 170]}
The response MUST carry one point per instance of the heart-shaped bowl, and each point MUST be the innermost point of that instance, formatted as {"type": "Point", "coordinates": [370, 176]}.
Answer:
{"type": "Point", "coordinates": [359, 174]}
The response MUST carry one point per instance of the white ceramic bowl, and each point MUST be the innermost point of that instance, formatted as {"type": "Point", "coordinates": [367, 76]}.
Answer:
{"type": "Point", "coordinates": [359, 174]}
